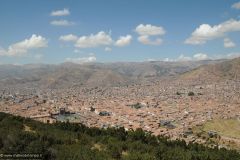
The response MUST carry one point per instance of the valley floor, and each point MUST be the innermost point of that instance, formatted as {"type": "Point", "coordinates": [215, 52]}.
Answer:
{"type": "Point", "coordinates": [168, 107]}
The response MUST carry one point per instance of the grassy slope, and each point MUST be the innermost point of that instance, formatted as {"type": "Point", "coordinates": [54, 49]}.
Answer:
{"type": "Point", "coordinates": [228, 128]}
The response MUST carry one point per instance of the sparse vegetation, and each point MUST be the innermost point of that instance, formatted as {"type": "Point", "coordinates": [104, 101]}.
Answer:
{"type": "Point", "coordinates": [191, 93]}
{"type": "Point", "coordinates": [137, 105]}
{"type": "Point", "coordinates": [178, 93]}
{"type": "Point", "coordinates": [76, 141]}
{"type": "Point", "coordinates": [223, 132]}
{"type": "Point", "coordinates": [229, 127]}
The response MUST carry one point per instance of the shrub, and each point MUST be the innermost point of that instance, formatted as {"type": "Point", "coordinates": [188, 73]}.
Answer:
{"type": "Point", "coordinates": [191, 93]}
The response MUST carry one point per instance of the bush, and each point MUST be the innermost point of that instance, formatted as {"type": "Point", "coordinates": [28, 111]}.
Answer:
{"type": "Point", "coordinates": [178, 93]}
{"type": "Point", "coordinates": [191, 93]}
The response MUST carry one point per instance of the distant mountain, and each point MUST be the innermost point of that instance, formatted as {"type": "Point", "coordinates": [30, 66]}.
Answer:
{"type": "Point", "coordinates": [93, 74]}
{"type": "Point", "coordinates": [229, 69]}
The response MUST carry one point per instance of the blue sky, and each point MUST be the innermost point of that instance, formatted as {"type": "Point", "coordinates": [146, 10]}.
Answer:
{"type": "Point", "coordinates": [118, 30]}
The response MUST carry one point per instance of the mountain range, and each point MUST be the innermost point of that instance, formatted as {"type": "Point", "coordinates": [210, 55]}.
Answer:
{"type": "Point", "coordinates": [114, 74]}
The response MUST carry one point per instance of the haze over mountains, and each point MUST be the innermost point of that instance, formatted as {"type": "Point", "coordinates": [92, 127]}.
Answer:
{"type": "Point", "coordinates": [103, 74]}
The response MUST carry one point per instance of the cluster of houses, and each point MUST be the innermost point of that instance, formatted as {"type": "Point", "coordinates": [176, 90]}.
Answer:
{"type": "Point", "coordinates": [156, 107]}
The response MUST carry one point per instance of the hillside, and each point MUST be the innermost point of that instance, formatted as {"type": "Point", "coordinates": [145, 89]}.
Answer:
{"type": "Point", "coordinates": [96, 74]}
{"type": "Point", "coordinates": [227, 70]}
{"type": "Point", "coordinates": [75, 141]}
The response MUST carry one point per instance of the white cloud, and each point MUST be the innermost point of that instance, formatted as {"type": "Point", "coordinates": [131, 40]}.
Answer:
{"type": "Point", "coordinates": [183, 58]}
{"type": "Point", "coordinates": [200, 56]}
{"type": "Point", "coordinates": [68, 38]}
{"type": "Point", "coordinates": [61, 23]}
{"type": "Point", "coordinates": [123, 41]}
{"type": "Point", "coordinates": [151, 59]}
{"type": "Point", "coordinates": [195, 57]}
{"type": "Point", "coordinates": [236, 5]}
{"type": "Point", "coordinates": [205, 32]}
{"type": "Point", "coordinates": [63, 12]}
{"type": "Point", "coordinates": [228, 43]}
{"type": "Point", "coordinates": [168, 60]}
{"type": "Point", "coordinates": [232, 55]}
{"type": "Point", "coordinates": [22, 47]}
{"type": "Point", "coordinates": [108, 49]}
{"type": "Point", "coordinates": [149, 30]}
{"type": "Point", "coordinates": [203, 56]}
{"type": "Point", "coordinates": [94, 40]}
{"type": "Point", "coordinates": [146, 40]}
{"type": "Point", "coordinates": [82, 60]}
{"type": "Point", "coordinates": [99, 39]}
{"type": "Point", "coordinates": [227, 56]}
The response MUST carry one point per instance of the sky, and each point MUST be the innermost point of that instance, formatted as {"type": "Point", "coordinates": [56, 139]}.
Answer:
{"type": "Point", "coordinates": [83, 31]}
